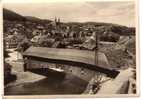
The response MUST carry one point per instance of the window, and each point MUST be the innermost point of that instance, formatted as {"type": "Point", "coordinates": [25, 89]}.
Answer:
{"type": "Point", "coordinates": [82, 71]}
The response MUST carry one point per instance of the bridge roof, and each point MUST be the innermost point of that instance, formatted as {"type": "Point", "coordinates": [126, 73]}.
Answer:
{"type": "Point", "coordinates": [73, 55]}
{"type": "Point", "coordinates": [82, 58]}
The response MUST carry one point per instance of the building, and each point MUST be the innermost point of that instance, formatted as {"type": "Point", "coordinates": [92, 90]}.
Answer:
{"type": "Point", "coordinates": [57, 31]}
{"type": "Point", "coordinates": [77, 62]}
{"type": "Point", "coordinates": [11, 41]}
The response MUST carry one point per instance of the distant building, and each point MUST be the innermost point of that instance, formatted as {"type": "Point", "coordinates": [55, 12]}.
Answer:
{"type": "Point", "coordinates": [40, 39]}
{"type": "Point", "coordinates": [56, 23]}
{"type": "Point", "coordinates": [11, 41]}
{"type": "Point", "coordinates": [35, 32]}
{"type": "Point", "coordinates": [35, 40]}
{"type": "Point", "coordinates": [90, 43]}
{"type": "Point", "coordinates": [58, 30]}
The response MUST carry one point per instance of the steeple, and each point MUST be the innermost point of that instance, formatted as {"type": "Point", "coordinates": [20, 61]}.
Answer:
{"type": "Point", "coordinates": [58, 20]}
{"type": "Point", "coordinates": [55, 19]}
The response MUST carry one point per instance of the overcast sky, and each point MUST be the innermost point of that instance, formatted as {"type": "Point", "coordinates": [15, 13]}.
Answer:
{"type": "Point", "coordinates": [122, 13]}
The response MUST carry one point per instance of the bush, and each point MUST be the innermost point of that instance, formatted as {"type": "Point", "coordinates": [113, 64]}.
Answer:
{"type": "Point", "coordinates": [110, 37]}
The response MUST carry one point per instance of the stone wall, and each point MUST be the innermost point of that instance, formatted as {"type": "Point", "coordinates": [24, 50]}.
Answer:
{"type": "Point", "coordinates": [83, 73]}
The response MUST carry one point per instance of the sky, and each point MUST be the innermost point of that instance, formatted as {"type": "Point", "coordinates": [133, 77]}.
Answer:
{"type": "Point", "coordinates": [118, 12]}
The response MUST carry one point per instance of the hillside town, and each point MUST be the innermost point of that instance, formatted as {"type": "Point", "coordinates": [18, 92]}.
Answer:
{"type": "Point", "coordinates": [117, 42]}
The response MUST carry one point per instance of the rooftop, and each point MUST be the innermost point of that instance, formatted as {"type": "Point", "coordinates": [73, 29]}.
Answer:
{"type": "Point", "coordinates": [82, 56]}
{"type": "Point", "coordinates": [71, 57]}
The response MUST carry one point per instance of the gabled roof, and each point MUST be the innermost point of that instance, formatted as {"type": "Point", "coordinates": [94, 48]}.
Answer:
{"type": "Point", "coordinates": [75, 57]}
{"type": "Point", "coordinates": [83, 56]}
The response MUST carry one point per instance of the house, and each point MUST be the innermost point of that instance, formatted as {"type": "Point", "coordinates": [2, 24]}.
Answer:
{"type": "Point", "coordinates": [35, 39]}
{"type": "Point", "coordinates": [11, 41]}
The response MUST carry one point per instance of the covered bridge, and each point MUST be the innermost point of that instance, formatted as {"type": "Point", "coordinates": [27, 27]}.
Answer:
{"type": "Point", "coordinates": [70, 60]}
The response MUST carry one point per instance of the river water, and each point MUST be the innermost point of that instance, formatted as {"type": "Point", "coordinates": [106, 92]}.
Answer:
{"type": "Point", "coordinates": [48, 86]}
{"type": "Point", "coordinates": [28, 83]}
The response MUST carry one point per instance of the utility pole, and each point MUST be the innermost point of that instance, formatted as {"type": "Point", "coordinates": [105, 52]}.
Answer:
{"type": "Point", "coordinates": [96, 49]}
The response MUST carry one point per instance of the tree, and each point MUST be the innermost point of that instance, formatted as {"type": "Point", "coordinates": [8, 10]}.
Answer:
{"type": "Point", "coordinates": [25, 44]}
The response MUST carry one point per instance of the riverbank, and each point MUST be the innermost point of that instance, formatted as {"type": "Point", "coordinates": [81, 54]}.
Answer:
{"type": "Point", "coordinates": [28, 83]}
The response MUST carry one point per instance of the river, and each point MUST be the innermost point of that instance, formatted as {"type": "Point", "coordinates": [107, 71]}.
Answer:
{"type": "Point", "coordinates": [28, 83]}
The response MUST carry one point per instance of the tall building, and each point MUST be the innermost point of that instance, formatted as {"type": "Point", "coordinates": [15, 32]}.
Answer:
{"type": "Point", "coordinates": [57, 23]}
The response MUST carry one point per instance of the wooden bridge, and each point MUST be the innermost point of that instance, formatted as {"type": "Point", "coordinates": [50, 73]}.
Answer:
{"type": "Point", "coordinates": [69, 60]}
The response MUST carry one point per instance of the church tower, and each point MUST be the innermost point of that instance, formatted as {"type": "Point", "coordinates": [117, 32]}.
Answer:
{"type": "Point", "coordinates": [55, 20]}
{"type": "Point", "coordinates": [58, 20]}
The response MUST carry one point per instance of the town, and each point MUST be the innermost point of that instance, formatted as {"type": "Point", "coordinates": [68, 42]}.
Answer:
{"type": "Point", "coordinates": [47, 47]}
